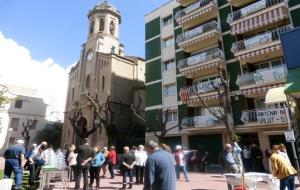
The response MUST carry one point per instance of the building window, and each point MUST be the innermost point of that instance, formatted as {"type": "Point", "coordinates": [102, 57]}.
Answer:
{"type": "Point", "coordinates": [34, 124]}
{"type": "Point", "coordinates": [170, 116]}
{"type": "Point", "coordinates": [103, 82]}
{"type": "Point", "coordinates": [169, 65]}
{"type": "Point", "coordinates": [92, 27]}
{"type": "Point", "coordinates": [170, 90]}
{"type": "Point", "coordinates": [87, 82]}
{"type": "Point", "coordinates": [101, 25]}
{"type": "Point", "coordinates": [14, 123]}
{"type": "Point", "coordinates": [168, 42]}
{"type": "Point", "coordinates": [73, 92]}
{"type": "Point", "coordinates": [167, 20]}
{"type": "Point", "coordinates": [11, 140]}
{"type": "Point", "coordinates": [18, 103]}
{"type": "Point", "coordinates": [269, 64]}
{"type": "Point", "coordinates": [112, 27]}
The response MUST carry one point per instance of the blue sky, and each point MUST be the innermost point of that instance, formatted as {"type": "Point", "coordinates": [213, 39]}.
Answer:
{"type": "Point", "coordinates": [58, 28]}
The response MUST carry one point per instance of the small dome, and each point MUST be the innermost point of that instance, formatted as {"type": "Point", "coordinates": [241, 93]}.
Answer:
{"type": "Point", "coordinates": [106, 5]}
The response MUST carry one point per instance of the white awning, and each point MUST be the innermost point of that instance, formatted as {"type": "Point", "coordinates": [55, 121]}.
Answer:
{"type": "Point", "coordinates": [275, 95]}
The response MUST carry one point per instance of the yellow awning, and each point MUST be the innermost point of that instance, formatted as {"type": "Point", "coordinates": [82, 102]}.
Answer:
{"type": "Point", "coordinates": [275, 95]}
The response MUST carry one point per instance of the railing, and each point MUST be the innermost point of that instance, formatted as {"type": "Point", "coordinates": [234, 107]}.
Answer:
{"type": "Point", "coordinates": [200, 121]}
{"type": "Point", "coordinates": [250, 9]}
{"type": "Point", "coordinates": [197, 31]}
{"type": "Point", "coordinates": [209, 55]}
{"type": "Point", "coordinates": [259, 39]}
{"type": "Point", "coordinates": [202, 87]}
{"type": "Point", "coordinates": [264, 116]}
{"type": "Point", "coordinates": [191, 8]}
{"type": "Point", "coordinates": [262, 76]}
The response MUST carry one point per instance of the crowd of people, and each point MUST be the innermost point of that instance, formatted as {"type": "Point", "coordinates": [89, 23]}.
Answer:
{"type": "Point", "coordinates": [251, 159]}
{"type": "Point", "coordinates": [154, 166]}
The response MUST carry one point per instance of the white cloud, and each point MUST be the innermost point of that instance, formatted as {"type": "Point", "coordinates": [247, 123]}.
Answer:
{"type": "Point", "coordinates": [17, 67]}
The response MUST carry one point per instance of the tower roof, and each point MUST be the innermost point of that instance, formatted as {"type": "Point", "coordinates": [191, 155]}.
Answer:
{"type": "Point", "coordinates": [105, 6]}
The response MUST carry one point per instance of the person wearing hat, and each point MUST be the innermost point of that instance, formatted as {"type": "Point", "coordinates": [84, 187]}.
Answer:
{"type": "Point", "coordinates": [180, 160]}
{"type": "Point", "coordinates": [14, 156]}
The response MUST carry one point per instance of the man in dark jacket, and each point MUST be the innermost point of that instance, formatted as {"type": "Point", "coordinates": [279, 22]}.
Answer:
{"type": "Point", "coordinates": [160, 169]}
{"type": "Point", "coordinates": [85, 154]}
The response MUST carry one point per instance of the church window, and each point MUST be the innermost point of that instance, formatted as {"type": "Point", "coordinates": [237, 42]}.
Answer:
{"type": "Point", "coordinates": [92, 27]}
{"type": "Point", "coordinates": [103, 82]}
{"type": "Point", "coordinates": [112, 27]}
{"type": "Point", "coordinates": [101, 26]}
{"type": "Point", "coordinates": [87, 82]}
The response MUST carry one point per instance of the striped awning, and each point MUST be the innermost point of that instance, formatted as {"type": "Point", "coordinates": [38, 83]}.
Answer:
{"type": "Point", "coordinates": [195, 14]}
{"type": "Point", "coordinates": [199, 38]}
{"type": "Point", "coordinates": [260, 89]}
{"type": "Point", "coordinates": [199, 67]}
{"type": "Point", "coordinates": [270, 15]}
{"type": "Point", "coordinates": [258, 52]}
{"type": "Point", "coordinates": [187, 98]}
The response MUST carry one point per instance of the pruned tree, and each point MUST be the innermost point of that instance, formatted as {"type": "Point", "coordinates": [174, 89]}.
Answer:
{"type": "Point", "coordinates": [160, 130]}
{"type": "Point", "coordinates": [79, 123]}
{"type": "Point", "coordinates": [28, 125]}
{"type": "Point", "coordinates": [222, 112]}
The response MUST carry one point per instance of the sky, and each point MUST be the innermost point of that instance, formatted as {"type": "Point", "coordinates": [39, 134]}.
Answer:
{"type": "Point", "coordinates": [41, 39]}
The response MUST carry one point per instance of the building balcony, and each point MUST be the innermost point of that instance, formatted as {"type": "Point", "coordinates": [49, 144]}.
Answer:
{"type": "Point", "coordinates": [259, 82]}
{"type": "Point", "coordinates": [201, 122]}
{"type": "Point", "coordinates": [264, 117]}
{"type": "Point", "coordinates": [239, 3]}
{"type": "Point", "coordinates": [259, 15]}
{"type": "Point", "coordinates": [202, 64]}
{"type": "Point", "coordinates": [260, 47]}
{"type": "Point", "coordinates": [186, 2]}
{"type": "Point", "coordinates": [202, 36]}
{"type": "Point", "coordinates": [206, 90]}
{"type": "Point", "coordinates": [197, 13]}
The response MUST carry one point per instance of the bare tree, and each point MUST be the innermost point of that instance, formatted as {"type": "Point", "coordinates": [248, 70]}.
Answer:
{"type": "Point", "coordinates": [161, 130]}
{"type": "Point", "coordinates": [28, 125]}
{"type": "Point", "coordinates": [222, 112]}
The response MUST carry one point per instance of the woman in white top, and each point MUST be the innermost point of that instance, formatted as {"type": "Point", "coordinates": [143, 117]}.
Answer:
{"type": "Point", "coordinates": [72, 162]}
{"type": "Point", "coordinates": [140, 157]}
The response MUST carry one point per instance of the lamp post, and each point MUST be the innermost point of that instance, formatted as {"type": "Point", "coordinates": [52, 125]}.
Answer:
{"type": "Point", "coordinates": [9, 133]}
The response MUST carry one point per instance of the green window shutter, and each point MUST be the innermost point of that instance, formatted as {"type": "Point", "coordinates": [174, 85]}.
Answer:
{"type": "Point", "coordinates": [228, 39]}
{"type": "Point", "coordinates": [153, 49]}
{"type": "Point", "coordinates": [182, 112]}
{"type": "Point", "coordinates": [153, 94]}
{"type": "Point", "coordinates": [153, 70]}
{"type": "Point", "coordinates": [177, 32]}
{"type": "Point", "coordinates": [296, 17]}
{"type": "Point", "coordinates": [233, 70]}
{"type": "Point", "coordinates": [238, 105]}
{"type": "Point", "coordinates": [179, 56]}
{"type": "Point", "coordinates": [180, 84]}
{"type": "Point", "coordinates": [293, 3]}
{"type": "Point", "coordinates": [174, 13]}
{"type": "Point", "coordinates": [152, 28]}
{"type": "Point", "coordinates": [223, 16]}
{"type": "Point", "coordinates": [222, 2]}
{"type": "Point", "coordinates": [151, 119]}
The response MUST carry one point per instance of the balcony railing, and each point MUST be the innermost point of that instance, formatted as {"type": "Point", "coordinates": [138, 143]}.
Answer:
{"type": "Point", "coordinates": [203, 87]}
{"type": "Point", "coordinates": [262, 76]}
{"type": "Point", "coordinates": [258, 40]}
{"type": "Point", "coordinates": [200, 121]}
{"type": "Point", "coordinates": [197, 31]}
{"type": "Point", "coordinates": [253, 8]}
{"type": "Point", "coordinates": [264, 116]}
{"type": "Point", "coordinates": [201, 57]}
{"type": "Point", "coordinates": [191, 8]}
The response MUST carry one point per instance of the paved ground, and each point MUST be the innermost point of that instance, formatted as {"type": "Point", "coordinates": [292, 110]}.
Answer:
{"type": "Point", "coordinates": [198, 182]}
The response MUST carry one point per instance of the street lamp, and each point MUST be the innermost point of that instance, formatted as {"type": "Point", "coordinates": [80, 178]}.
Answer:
{"type": "Point", "coordinates": [9, 133]}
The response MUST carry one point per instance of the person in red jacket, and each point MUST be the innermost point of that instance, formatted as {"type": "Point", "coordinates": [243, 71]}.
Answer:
{"type": "Point", "coordinates": [112, 161]}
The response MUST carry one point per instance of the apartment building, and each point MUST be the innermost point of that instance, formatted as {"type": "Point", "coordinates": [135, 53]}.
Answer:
{"type": "Point", "coordinates": [189, 41]}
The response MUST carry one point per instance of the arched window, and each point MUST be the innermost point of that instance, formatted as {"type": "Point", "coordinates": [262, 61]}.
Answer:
{"type": "Point", "coordinates": [112, 27]}
{"type": "Point", "coordinates": [73, 91]}
{"type": "Point", "coordinates": [103, 82]}
{"type": "Point", "coordinates": [92, 27]}
{"type": "Point", "coordinates": [101, 25]}
{"type": "Point", "coordinates": [87, 82]}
